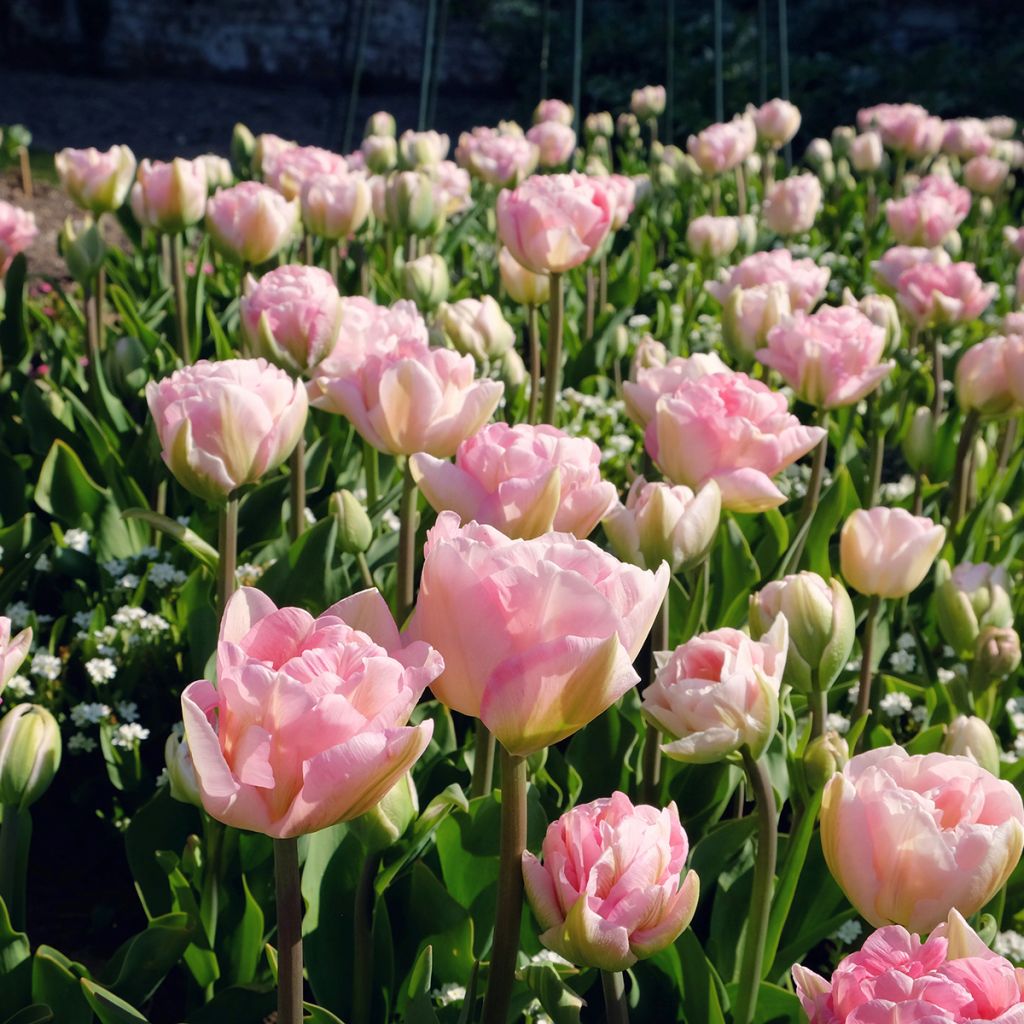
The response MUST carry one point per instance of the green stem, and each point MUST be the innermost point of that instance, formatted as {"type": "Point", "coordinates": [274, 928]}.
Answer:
{"type": "Point", "coordinates": [867, 644]}
{"type": "Point", "coordinates": [741, 190]}
{"type": "Point", "coordinates": [180, 299]}
{"type": "Point", "coordinates": [591, 303]}
{"type": "Point", "coordinates": [405, 595]}
{"type": "Point", "coordinates": [289, 931]}
{"type": "Point", "coordinates": [962, 471]}
{"type": "Point", "coordinates": [333, 264]}
{"type": "Point", "coordinates": [650, 777]}
{"type": "Point", "coordinates": [553, 369]}
{"type": "Point", "coordinates": [613, 986]}
{"type": "Point", "coordinates": [371, 473]}
{"type": "Point", "coordinates": [227, 546]}
{"type": "Point", "coordinates": [12, 867]}
{"type": "Point", "coordinates": [362, 943]}
{"type": "Point", "coordinates": [602, 284]}
{"type": "Point", "coordinates": [818, 701]}
{"type": "Point", "coordinates": [510, 889]}
{"type": "Point", "coordinates": [364, 570]}
{"type": "Point", "coordinates": [1008, 444]}
{"type": "Point", "coordinates": [817, 473]}
{"type": "Point", "coordinates": [533, 322]}
{"type": "Point", "coordinates": [875, 465]}
{"type": "Point", "coordinates": [483, 761]}
{"type": "Point", "coordinates": [297, 489]}
{"type": "Point", "coordinates": [938, 399]}
{"type": "Point", "coordinates": [761, 895]}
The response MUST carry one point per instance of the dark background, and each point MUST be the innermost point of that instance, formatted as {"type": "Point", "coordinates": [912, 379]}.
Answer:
{"type": "Point", "coordinates": [172, 76]}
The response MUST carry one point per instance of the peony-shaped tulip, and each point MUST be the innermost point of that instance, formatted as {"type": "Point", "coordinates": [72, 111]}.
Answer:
{"type": "Point", "coordinates": [935, 295]}
{"type": "Point", "coordinates": [267, 149]}
{"type": "Point", "coordinates": [13, 651]}
{"type": "Point", "coordinates": [554, 141]}
{"type": "Point", "coordinates": [169, 197]}
{"type": "Point", "coordinates": [538, 636]}
{"type": "Point", "coordinates": [830, 358]}
{"type": "Point", "coordinates": [95, 181]}
{"type": "Point", "coordinates": [723, 147]}
{"type": "Point", "coordinates": [661, 523]}
{"type": "Point", "coordinates": [251, 222]}
{"type": "Point", "coordinates": [621, 191]}
{"type": "Point", "coordinates": [223, 425]}
{"type": "Point", "coordinates": [553, 222]}
{"type": "Point", "coordinates": [951, 977]}
{"type": "Point", "coordinates": [1014, 238]}
{"type": "Point", "coordinates": [288, 170]}
{"type": "Point", "coordinates": [904, 127]}
{"type": "Point", "coordinates": [651, 382]}
{"type": "Point", "coordinates": [522, 480]}
{"type": "Point", "coordinates": [970, 736]}
{"type": "Point", "coordinates": [935, 208]}
{"type": "Point", "coordinates": [422, 149]}
{"type": "Point", "coordinates": [792, 204]}
{"type": "Point", "coordinates": [901, 258]}
{"type": "Point", "coordinates": [335, 206]}
{"type": "Point", "coordinates": [776, 121]}
{"type": "Point", "coordinates": [866, 152]}
{"type": "Point", "coordinates": [648, 102]}
{"type": "Point", "coordinates": [610, 889]}
{"type": "Point", "coordinates": [496, 158]}
{"type": "Point", "coordinates": [307, 724]}
{"type": "Point", "coordinates": [804, 280]}
{"type": "Point", "coordinates": [380, 153]}
{"type": "Point", "coordinates": [967, 137]}
{"type": "Point", "coordinates": [731, 429]}
{"type": "Point", "coordinates": [990, 376]}
{"type": "Point", "coordinates": [17, 232]}
{"type": "Point", "coordinates": [553, 110]}
{"type": "Point", "coordinates": [452, 187]}
{"type": "Point", "coordinates": [717, 693]}
{"type": "Point", "coordinates": [712, 238]}
{"type": "Point", "coordinates": [476, 327]}
{"type": "Point", "coordinates": [291, 316]}
{"type": "Point", "coordinates": [522, 285]}
{"type": "Point", "coordinates": [985, 174]}
{"type": "Point", "coordinates": [887, 551]}
{"type": "Point", "coordinates": [909, 838]}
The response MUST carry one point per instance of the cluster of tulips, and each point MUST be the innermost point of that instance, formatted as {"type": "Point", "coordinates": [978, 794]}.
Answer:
{"type": "Point", "coordinates": [681, 622]}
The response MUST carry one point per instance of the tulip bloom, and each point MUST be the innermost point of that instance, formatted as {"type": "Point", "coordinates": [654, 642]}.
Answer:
{"type": "Point", "coordinates": [713, 238]}
{"type": "Point", "coordinates": [804, 280]}
{"type": "Point", "coordinates": [717, 693]}
{"type": "Point", "coordinates": [866, 152]}
{"type": "Point", "coordinates": [251, 222]}
{"type": "Point", "coordinates": [522, 480]}
{"type": "Point", "coordinates": [522, 285]}
{"type": "Point", "coordinates": [776, 121]}
{"type": "Point", "coordinates": [422, 149]}
{"type": "Point", "coordinates": [169, 197]}
{"type": "Point", "coordinates": [555, 142]}
{"type": "Point", "coordinates": [222, 425]}
{"type": "Point", "coordinates": [1014, 238]}
{"type": "Point", "coordinates": [380, 153]}
{"type": "Point", "coordinates": [609, 891]}
{"type": "Point", "coordinates": [723, 147]}
{"type": "Point", "coordinates": [553, 110]}
{"type": "Point", "coordinates": [291, 316]}
{"type": "Point", "coordinates": [990, 376]}
{"type": "Point", "coordinates": [307, 724]}
{"type": "Point", "coordinates": [932, 211]}
{"type": "Point", "coordinates": [950, 977]}
{"type": "Point", "coordinates": [288, 170]}
{"type": "Point", "coordinates": [648, 102]}
{"type": "Point", "coordinates": [731, 429]}
{"type": "Point", "coordinates": [552, 223]}
{"type": "Point", "coordinates": [985, 174]}
{"type": "Point", "coordinates": [622, 193]}
{"type": "Point", "coordinates": [12, 651]}
{"type": "Point", "coordinates": [969, 599]}
{"type": "Point", "coordinates": [886, 551]}
{"type": "Point", "coordinates": [641, 395]}
{"type": "Point", "coordinates": [967, 137]}
{"type": "Point", "coordinates": [497, 158]}
{"type": "Point", "coordinates": [829, 358]}
{"type": "Point", "coordinates": [17, 232]}
{"type": "Point", "coordinates": [476, 327]}
{"type": "Point", "coordinates": [901, 258]}
{"type": "Point", "coordinates": [792, 204]}
{"type": "Point", "coordinates": [335, 206]}
{"type": "Point", "coordinates": [538, 636]}
{"type": "Point", "coordinates": [935, 295]}
{"type": "Point", "coordinates": [95, 181]}
{"type": "Point", "coordinates": [910, 838]}
{"type": "Point", "coordinates": [904, 127]}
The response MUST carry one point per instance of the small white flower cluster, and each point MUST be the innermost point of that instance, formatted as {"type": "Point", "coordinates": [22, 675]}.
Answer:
{"type": "Point", "coordinates": [837, 723]}
{"type": "Point", "coordinates": [848, 933]}
{"type": "Point", "coordinates": [897, 490]}
{"type": "Point", "coordinates": [46, 666]}
{"type": "Point", "coordinates": [1011, 945]}
{"type": "Point", "coordinates": [248, 573]}
{"type": "Point", "coordinates": [149, 562]}
{"type": "Point", "coordinates": [902, 661]}
{"type": "Point", "coordinates": [89, 714]}
{"type": "Point", "coordinates": [77, 540]}
{"type": "Point", "coordinates": [895, 705]}
{"type": "Point", "coordinates": [20, 687]}
{"type": "Point", "coordinates": [19, 613]}
{"type": "Point", "coordinates": [448, 995]}
{"type": "Point", "coordinates": [100, 670]}
{"type": "Point", "coordinates": [79, 743]}
{"type": "Point", "coordinates": [1015, 711]}
{"type": "Point", "coordinates": [126, 736]}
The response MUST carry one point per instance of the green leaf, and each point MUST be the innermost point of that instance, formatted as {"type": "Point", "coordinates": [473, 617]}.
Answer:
{"type": "Point", "coordinates": [318, 1015]}
{"type": "Point", "coordinates": [108, 1007]}
{"type": "Point", "coordinates": [14, 344]}
{"type": "Point", "coordinates": [15, 965]}
{"type": "Point", "coordinates": [305, 577]}
{"type": "Point", "coordinates": [738, 574]}
{"type": "Point", "coordinates": [702, 989]}
{"type": "Point", "coordinates": [188, 539]}
{"type": "Point", "coordinates": [560, 1002]}
{"type": "Point", "coordinates": [65, 489]}
{"type": "Point", "coordinates": [199, 957]}
{"type": "Point", "coordinates": [136, 970]}
{"type": "Point", "coordinates": [34, 1014]}
{"type": "Point", "coordinates": [418, 982]}
{"type": "Point", "coordinates": [242, 1003]}
{"type": "Point", "coordinates": [835, 505]}
{"type": "Point", "coordinates": [55, 982]}
{"type": "Point", "coordinates": [246, 942]}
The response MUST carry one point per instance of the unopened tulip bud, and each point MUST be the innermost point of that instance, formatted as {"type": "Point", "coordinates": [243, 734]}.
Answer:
{"type": "Point", "coordinates": [512, 370]}
{"type": "Point", "coordinates": [30, 749]}
{"type": "Point", "coordinates": [971, 737]}
{"type": "Point", "coordinates": [412, 204]}
{"type": "Point", "coordinates": [599, 125]}
{"type": "Point", "coordinates": [996, 655]}
{"type": "Point", "coordinates": [882, 311]}
{"type": "Point", "coordinates": [866, 152]}
{"type": "Point", "coordinates": [380, 153]}
{"type": "Point", "coordinates": [842, 139]}
{"type": "Point", "coordinates": [648, 102]}
{"type": "Point", "coordinates": [919, 440]}
{"type": "Point", "coordinates": [169, 197]}
{"type": "Point", "coordinates": [825, 755]}
{"type": "Point", "coordinates": [95, 181]}
{"type": "Point", "coordinates": [388, 821]}
{"type": "Point", "coordinates": [355, 531]}
{"type": "Point", "coordinates": [243, 147]}
{"type": "Point", "coordinates": [627, 127]}
{"type": "Point", "coordinates": [425, 281]}
{"type": "Point", "coordinates": [476, 327]}
{"type": "Point", "coordinates": [648, 353]}
{"type": "Point", "coordinates": [968, 599]}
{"type": "Point", "coordinates": [749, 314]}
{"type": "Point", "coordinates": [181, 772]}
{"type": "Point", "coordinates": [523, 285]}
{"type": "Point", "coordinates": [381, 123]}
{"type": "Point", "coordinates": [818, 152]}
{"type": "Point", "coordinates": [1002, 515]}
{"type": "Point", "coordinates": [83, 249]}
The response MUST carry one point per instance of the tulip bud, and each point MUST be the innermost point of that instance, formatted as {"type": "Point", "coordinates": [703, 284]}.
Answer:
{"type": "Point", "coordinates": [425, 281]}
{"type": "Point", "coordinates": [512, 370]}
{"type": "Point", "coordinates": [821, 627]}
{"type": "Point", "coordinates": [882, 311]}
{"type": "Point", "coordinates": [996, 655]}
{"type": "Point", "coordinates": [919, 440]}
{"type": "Point", "coordinates": [386, 823]}
{"type": "Point", "coordinates": [818, 152]}
{"type": "Point", "coordinates": [825, 755]}
{"type": "Point", "coordinates": [866, 152]}
{"type": "Point", "coordinates": [126, 366]}
{"type": "Point", "coordinates": [971, 737]}
{"type": "Point", "coordinates": [243, 146]}
{"type": "Point", "coordinates": [412, 204]}
{"type": "Point", "coordinates": [355, 531]}
{"type": "Point", "coordinates": [381, 123]}
{"type": "Point", "coordinates": [29, 755]}
{"type": "Point", "coordinates": [181, 772]}
{"type": "Point", "coordinates": [523, 285]}
{"type": "Point", "coordinates": [649, 352]}
{"type": "Point", "coordinates": [968, 599]}
{"type": "Point", "coordinates": [599, 125]}
{"type": "Point", "coordinates": [749, 314]}
{"type": "Point", "coordinates": [627, 127]}
{"type": "Point", "coordinates": [1002, 515]}
{"type": "Point", "coordinates": [842, 139]}
{"type": "Point", "coordinates": [83, 249]}
{"type": "Point", "coordinates": [476, 327]}
{"type": "Point", "coordinates": [380, 153]}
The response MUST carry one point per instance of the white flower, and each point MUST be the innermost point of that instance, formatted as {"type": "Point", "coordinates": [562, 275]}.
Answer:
{"type": "Point", "coordinates": [89, 714]}
{"type": "Point", "coordinates": [43, 563]}
{"type": "Point", "coordinates": [837, 723]}
{"type": "Point", "coordinates": [853, 693]}
{"type": "Point", "coordinates": [127, 735]}
{"type": "Point", "coordinates": [902, 661]}
{"type": "Point", "coordinates": [18, 613]}
{"type": "Point", "coordinates": [898, 490]}
{"type": "Point", "coordinates": [45, 665]}
{"type": "Point", "coordinates": [308, 516]}
{"type": "Point", "coordinates": [20, 687]}
{"type": "Point", "coordinates": [128, 710]}
{"type": "Point", "coordinates": [77, 540]}
{"type": "Point", "coordinates": [115, 566]}
{"type": "Point", "coordinates": [638, 321]}
{"type": "Point", "coordinates": [82, 619]}
{"type": "Point", "coordinates": [182, 520]}
{"type": "Point", "coordinates": [129, 581]}
{"type": "Point", "coordinates": [100, 670]}
{"type": "Point", "coordinates": [895, 704]}
{"type": "Point", "coordinates": [847, 933]}
{"type": "Point", "coordinates": [390, 520]}
{"type": "Point", "coordinates": [1010, 945]}
{"type": "Point", "coordinates": [163, 574]}
{"type": "Point", "coordinates": [906, 641]}
{"type": "Point", "coordinates": [248, 573]}
{"type": "Point", "coordinates": [81, 744]}
{"type": "Point", "coordinates": [549, 956]}
{"type": "Point", "coordinates": [448, 994]}
{"type": "Point", "coordinates": [945, 675]}
{"type": "Point", "coordinates": [150, 552]}
{"type": "Point", "coordinates": [154, 623]}
{"type": "Point", "coordinates": [127, 615]}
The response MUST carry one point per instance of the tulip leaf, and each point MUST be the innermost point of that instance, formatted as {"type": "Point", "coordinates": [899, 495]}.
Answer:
{"type": "Point", "coordinates": [15, 965]}
{"type": "Point", "coordinates": [37, 1013]}
{"type": "Point", "coordinates": [775, 1005]}
{"type": "Point", "coordinates": [55, 982]}
{"type": "Point", "coordinates": [14, 344]}
{"type": "Point", "coordinates": [65, 489]}
{"type": "Point", "coordinates": [199, 957]}
{"type": "Point", "coordinates": [246, 942]}
{"type": "Point", "coordinates": [108, 1007]}
{"type": "Point", "coordinates": [236, 1003]}
{"type": "Point", "coordinates": [703, 992]}
{"type": "Point", "coordinates": [187, 538]}
{"type": "Point", "coordinates": [737, 575]}
{"type": "Point", "coordinates": [306, 576]}
{"type": "Point", "coordinates": [318, 1015]}
{"type": "Point", "coordinates": [139, 966]}
{"type": "Point", "coordinates": [560, 1002]}
{"type": "Point", "coordinates": [834, 506]}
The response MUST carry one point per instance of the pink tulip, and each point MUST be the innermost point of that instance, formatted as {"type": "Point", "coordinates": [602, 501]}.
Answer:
{"type": "Point", "coordinates": [731, 429]}
{"type": "Point", "coordinates": [805, 281]}
{"type": "Point", "coordinates": [723, 147]}
{"type": "Point", "coordinates": [538, 636]}
{"type": "Point", "coordinates": [610, 891]}
{"type": "Point", "coordinates": [985, 174]}
{"type": "Point", "coordinates": [899, 258]}
{"type": "Point", "coordinates": [291, 316]}
{"type": "Point", "coordinates": [990, 376]}
{"type": "Point", "coordinates": [719, 692]}
{"type": "Point", "coordinates": [648, 102]}
{"type": "Point", "coordinates": [475, 327]}
{"type": "Point", "coordinates": [251, 222]}
{"type": "Point", "coordinates": [622, 195]}
{"type": "Point", "coordinates": [521, 480]}
{"type": "Point", "coordinates": [169, 197]}
{"type": "Point", "coordinates": [777, 121]}
{"type": "Point", "coordinates": [1014, 238]}
{"type": "Point", "coordinates": [886, 551]}
{"type": "Point", "coordinates": [268, 148]}
{"type": "Point", "coordinates": [420, 150]}
{"type": "Point", "coordinates": [866, 152]}
{"type": "Point", "coordinates": [713, 238]}
{"type": "Point", "coordinates": [523, 286]}
{"type": "Point", "coordinates": [792, 204]}
{"type": "Point", "coordinates": [967, 137]}
{"type": "Point", "coordinates": [17, 232]}
{"type": "Point", "coordinates": [933, 210]}
{"type": "Point", "coordinates": [904, 127]}
{"type": "Point", "coordinates": [97, 182]}
{"type": "Point", "coordinates": [289, 169]}
{"type": "Point", "coordinates": [910, 838]}
{"type": "Point", "coordinates": [307, 724]}
{"type": "Point", "coordinates": [641, 395]}
{"type": "Point", "coordinates": [452, 187]}
{"type": "Point", "coordinates": [12, 652]}
{"type": "Point", "coordinates": [552, 223]}
{"type": "Point", "coordinates": [829, 358]}
{"type": "Point", "coordinates": [496, 158]}
{"type": "Point", "coordinates": [335, 206]}
{"type": "Point", "coordinates": [380, 153]}
{"type": "Point", "coordinates": [218, 171]}
{"type": "Point", "coordinates": [553, 110]}
{"type": "Point", "coordinates": [953, 976]}
{"type": "Point", "coordinates": [223, 425]}
{"type": "Point", "coordinates": [1013, 322]}
{"type": "Point", "coordinates": [555, 142]}
{"type": "Point", "coordinates": [953, 294]}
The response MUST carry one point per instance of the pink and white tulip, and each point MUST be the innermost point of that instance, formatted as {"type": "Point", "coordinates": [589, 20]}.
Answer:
{"type": "Point", "coordinates": [555, 142]}
{"type": "Point", "coordinates": [723, 147]}
{"type": "Point", "coordinates": [933, 295]}
{"type": "Point", "coordinates": [13, 651]}
{"type": "Point", "coordinates": [935, 208]}
{"type": "Point", "coordinates": [792, 204]}
{"type": "Point", "coordinates": [651, 382]}
{"type": "Point", "coordinates": [777, 122]}
{"type": "Point", "coordinates": [251, 222]}
{"type": "Point", "coordinates": [288, 170]}
{"type": "Point", "coordinates": [17, 232]}
{"type": "Point", "coordinates": [169, 197]}
{"type": "Point", "coordinates": [335, 206]}
{"type": "Point", "coordinates": [990, 376]}
{"type": "Point", "coordinates": [95, 181]}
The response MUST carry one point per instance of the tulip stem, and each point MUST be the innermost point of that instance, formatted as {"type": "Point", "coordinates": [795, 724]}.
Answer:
{"type": "Point", "coordinates": [227, 547]}
{"type": "Point", "coordinates": [591, 303]}
{"type": "Point", "coordinates": [867, 644]}
{"type": "Point", "coordinates": [180, 299]}
{"type": "Point", "coordinates": [875, 465]}
{"type": "Point", "coordinates": [483, 761]}
{"type": "Point", "coordinates": [818, 701]}
{"type": "Point", "coordinates": [616, 1011]}
{"type": "Point", "coordinates": [371, 473]}
{"type": "Point", "coordinates": [602, 284]}
{"type": "Point", "coordinates": [650, 777]}
{"type": "Point", "coordinates": [533, 330]}
{"type": "Point", "coordinates": [962, 472]}
{"type": "Point", "coordinates": [761, 894]}
{"type": "Point", "coordinates": [817, 474]}
{"type": "Point", "coordinates": [362, 943]}
{"type": "Point", "coordinates": [289, 931]}
{"type": "Point", "coordinates": [510, 889]}
{"type": "Point", "coordinates": [297, 488]}
{"type": "Point", "coordinates": [937, 377]}
{"type": "Point", "coordinates": [364, 570]}
{"type": "Point", "coordinates": [405, 595]}
{"type": "Point", "coordinates": [1006, 448]}
{"type": "Point", "coordinates": [12, 866]}
{"type": "Point", "coordinates": [553, 369]}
